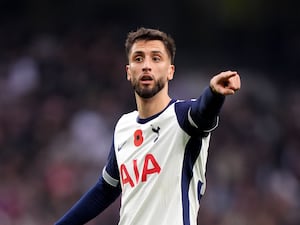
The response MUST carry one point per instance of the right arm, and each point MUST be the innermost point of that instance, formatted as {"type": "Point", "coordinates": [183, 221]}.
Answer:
{"type": "Point", "coordinates": [98, 198]}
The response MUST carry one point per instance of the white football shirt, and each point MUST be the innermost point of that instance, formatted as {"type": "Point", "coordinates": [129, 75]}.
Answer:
{"type": "Point", "coordinates": [160, 163]}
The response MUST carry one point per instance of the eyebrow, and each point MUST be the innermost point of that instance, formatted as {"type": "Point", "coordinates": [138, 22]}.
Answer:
{"type": "Point", "coordinates": [142, 52]}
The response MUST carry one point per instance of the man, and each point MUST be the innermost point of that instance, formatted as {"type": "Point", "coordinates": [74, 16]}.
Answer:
{"type": "Point", "coordinates": [158, 156]}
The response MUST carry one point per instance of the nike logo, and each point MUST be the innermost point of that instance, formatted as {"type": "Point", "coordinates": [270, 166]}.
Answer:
{"type": "Point", "coordinates": [121, 146]}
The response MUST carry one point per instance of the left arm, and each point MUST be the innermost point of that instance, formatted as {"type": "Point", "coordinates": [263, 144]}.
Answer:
{"type": "Point", "coordinates": [204, 112]}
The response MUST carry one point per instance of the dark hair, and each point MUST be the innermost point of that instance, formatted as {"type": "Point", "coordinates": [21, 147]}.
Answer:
{"type": "Point", "coordinates": [148, 34]}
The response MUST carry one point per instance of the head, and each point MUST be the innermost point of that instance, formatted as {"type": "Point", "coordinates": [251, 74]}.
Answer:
{"type": "Point", "coordinates": [150, 54]}
{"type": "Point", "coordinates": [146, 34]}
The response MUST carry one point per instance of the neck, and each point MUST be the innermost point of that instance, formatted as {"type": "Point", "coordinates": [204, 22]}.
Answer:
{"type": "Point", "coordinates": [151, 106]}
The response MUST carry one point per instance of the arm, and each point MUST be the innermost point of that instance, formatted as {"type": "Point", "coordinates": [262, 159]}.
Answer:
{"type": "Point", "coordinates": [204, 112]}
{"type": "Point", "coordinates": [91, 204]}
{"type": "Point", "coordinates": [98, 198]}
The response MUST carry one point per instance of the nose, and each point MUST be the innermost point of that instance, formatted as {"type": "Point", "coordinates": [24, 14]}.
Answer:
{"type": "Point", "coordinates": [146, 65]}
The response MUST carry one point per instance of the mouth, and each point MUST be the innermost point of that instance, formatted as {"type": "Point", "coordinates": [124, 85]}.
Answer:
{"type": "Point", "coordinates": [146, 79]}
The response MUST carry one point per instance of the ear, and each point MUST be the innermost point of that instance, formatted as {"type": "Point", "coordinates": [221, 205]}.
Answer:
{"type": "Point", "coordinates": [171, 72]}
{"type": "Point", "coordinates": [128, 72]}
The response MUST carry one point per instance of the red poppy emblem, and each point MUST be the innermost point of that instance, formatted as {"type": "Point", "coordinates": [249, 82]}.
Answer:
{"type": "Point", "coordinates": [138, 138]}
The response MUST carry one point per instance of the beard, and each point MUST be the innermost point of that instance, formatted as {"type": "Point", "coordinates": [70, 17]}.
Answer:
{"type": "Point", "coordinates": [148, 92]}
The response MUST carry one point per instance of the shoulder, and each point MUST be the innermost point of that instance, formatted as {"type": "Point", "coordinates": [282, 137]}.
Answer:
{"type": "Point", "coordinates": [182, 106]}
{"type": "Point", "coordinates": [183, 114]}
{"type": "Point", "coordinates": [128, 117]}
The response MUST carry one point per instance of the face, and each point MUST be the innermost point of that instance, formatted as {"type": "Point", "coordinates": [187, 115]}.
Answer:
{"type": "Point", "coordinates": [149, 68]}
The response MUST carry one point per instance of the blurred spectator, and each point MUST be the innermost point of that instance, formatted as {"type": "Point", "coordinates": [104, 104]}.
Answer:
{"type": "Point", "coordinates": [60, 95]}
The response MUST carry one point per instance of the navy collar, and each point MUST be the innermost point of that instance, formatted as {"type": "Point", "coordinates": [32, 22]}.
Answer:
{"type": "Point", "coordinates": [143, 121]}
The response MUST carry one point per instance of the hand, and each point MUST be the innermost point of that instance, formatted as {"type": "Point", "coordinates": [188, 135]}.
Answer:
{"type": "Point", "coordinates": [226, 83]}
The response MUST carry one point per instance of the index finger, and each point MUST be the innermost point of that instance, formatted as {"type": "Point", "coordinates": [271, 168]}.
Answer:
{"type": "Point", "coordinates": [228, 74]}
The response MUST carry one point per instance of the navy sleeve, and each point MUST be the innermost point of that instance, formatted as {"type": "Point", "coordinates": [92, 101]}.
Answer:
{"type": "Point", "coordinates": [98, 198]}
{"type": "Point", "coordinates": [205, 110]}
{"type": "Point", "coordinates": [111, 171]}
{"type": "Point", "coordinates": [200, 116]}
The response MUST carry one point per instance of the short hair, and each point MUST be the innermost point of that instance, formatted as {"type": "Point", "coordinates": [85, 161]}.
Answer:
{"type": "Point", "coordinates": [148, 34]}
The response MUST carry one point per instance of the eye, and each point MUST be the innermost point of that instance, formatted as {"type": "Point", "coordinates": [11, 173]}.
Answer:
{"type": "Point", "coordinates": [156, 58]}
{"type": "Point", "coordinates": [138, 58]}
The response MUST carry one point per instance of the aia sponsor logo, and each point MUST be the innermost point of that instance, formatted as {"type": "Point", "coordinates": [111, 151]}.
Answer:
{"type": "Point", "coordinates": [149, 167]}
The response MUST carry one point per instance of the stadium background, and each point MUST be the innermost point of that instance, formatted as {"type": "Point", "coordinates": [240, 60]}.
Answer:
{"type": "Point", "coordinates": [63, 86]}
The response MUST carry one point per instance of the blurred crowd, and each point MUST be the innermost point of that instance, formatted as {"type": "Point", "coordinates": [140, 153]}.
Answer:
{"type": "Point", "coordinates": [60, 96]}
